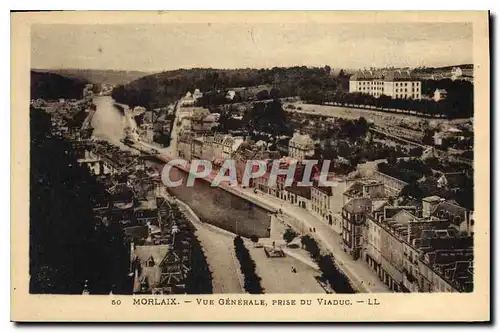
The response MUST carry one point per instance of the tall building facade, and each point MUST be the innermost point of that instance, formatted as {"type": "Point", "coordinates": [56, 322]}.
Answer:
{"type": "Point", "coordinates": [395, 84]}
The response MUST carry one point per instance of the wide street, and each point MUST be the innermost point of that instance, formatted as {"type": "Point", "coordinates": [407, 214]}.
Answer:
{"type": "Point", "coordinates": [363, 278]}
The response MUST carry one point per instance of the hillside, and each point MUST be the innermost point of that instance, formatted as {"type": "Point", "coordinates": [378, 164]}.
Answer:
{"type": "Point", "coordinates": [95, 76]}
{"type": "Point", "coordinates": [53, 86]}
{"type": "Point", "coordinates": [163, 88]}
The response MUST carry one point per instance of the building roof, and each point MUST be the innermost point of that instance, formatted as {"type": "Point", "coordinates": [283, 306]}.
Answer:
{"type": "Point", "coordinates": [136, 231]}
{"type": "Point", "coordinates": [358, 205]}
{"type": "Point", "coordinates": [441, 91]}
{"type": "Point", "coordinates": [156, 252]}
{"type": "Point", "coordinates": [451, 212]}
{"type": "Point", "coordinates": [384, 75]}
{"type": "Point", "coordinates": [355, 189]}
{"type": "Point", "coordinates": [432, 199]}
{"type": "Point", "coordinates": [146, 204]}
{"type": "Point", "coordinates": [391, 211]}
{"type": "Point", "coordinates": [403, 217]}
{"type": "Point", "coordinates": [300, 191]}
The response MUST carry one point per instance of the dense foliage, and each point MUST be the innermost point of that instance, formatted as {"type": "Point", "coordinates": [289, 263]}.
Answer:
{"type": "Point", "coordinates": [164, 88]}
{"type": "Point", "coordinates": [199, 279]}
{"type": "Point", "coordinates": [406, 170]}
{"type": "Point", "coordinates": [313, 85]}
{"type": "Point", "coordinates": [267, 117]}
{"type": "Point", "coordinates": [247, 265]}
{"type": "Point", "coordinates": [289, 235]}
{"type": "Point", "coordinates": [51, 86]}
{"type": "Point", "coordinates": [68, 244]}
{"type": "Point", "coordinates": [329, 270]}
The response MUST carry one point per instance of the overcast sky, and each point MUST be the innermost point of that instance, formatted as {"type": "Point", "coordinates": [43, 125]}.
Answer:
{"type": "Point", "coordinates": [171, 46]}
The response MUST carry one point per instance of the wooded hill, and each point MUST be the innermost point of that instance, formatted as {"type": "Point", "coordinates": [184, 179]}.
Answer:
{"type": "Point", "coordinates": [53, 86]}
{"type": "Point", "coordinates": [99, 76]}
{"type": "Point", "coordinates": [163, 88]}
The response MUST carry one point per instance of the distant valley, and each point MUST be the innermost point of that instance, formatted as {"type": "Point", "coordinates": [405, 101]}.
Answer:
{"type": "Point", "coordinates": [98, 76]}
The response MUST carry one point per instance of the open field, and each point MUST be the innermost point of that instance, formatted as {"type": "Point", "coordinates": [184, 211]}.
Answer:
{"type": "Point", "coordinates": [378, 117]}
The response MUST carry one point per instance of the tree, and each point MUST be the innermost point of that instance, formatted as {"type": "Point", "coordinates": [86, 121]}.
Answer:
{"type": "Point", "coordinates": [199, 278]}
{"type": "Point", "coordinates": [254, 238]}
{"type": "Point", "coordinates": [428, 138]}
{"type": "Point", "coordinates": [330, 272]}
{"type": "Point", "coordinates": [262, 95]}
{"type": "Point", "coordinates": [64, 254]}
{"type": "Point", "coordinates": [311, 246]}
{"type": "Point", "coordinates": [247, 267]}
{"type": "Point", "coordinates": [412, 190]}
{"type": "Point", "coordinates": [416, 152]}
{"type": "Point", "coordinates": [289, 235]}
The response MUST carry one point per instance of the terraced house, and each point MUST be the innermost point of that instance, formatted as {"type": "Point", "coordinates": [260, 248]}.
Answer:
{"type": "Point", "coordinates": [418, 251]}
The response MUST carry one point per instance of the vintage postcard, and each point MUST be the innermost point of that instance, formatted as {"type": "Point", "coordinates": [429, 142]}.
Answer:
{"type": "Point", "coordinates": [250, 166]}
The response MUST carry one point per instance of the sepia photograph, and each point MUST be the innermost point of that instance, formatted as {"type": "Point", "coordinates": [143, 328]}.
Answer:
{"type": "Point", "coordinates": [249, 162]}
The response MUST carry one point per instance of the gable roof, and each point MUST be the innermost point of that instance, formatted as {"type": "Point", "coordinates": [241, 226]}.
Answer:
{"type": "Point", "coordinates": [358, 205]}
{"type": "Point", "coordinates": [156, 252]}
{"type": "Point", "coordinates": [452, 212]}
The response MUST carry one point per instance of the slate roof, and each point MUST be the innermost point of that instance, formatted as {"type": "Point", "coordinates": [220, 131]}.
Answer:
{"type": "Point", "coordinates": [385, 75]}
{"type": "Point", "coordinates": [358, 205]}
{"type": "Point", "coordinates": [300, 191]}
{"type": "Point", "coordinates": [451, 212]}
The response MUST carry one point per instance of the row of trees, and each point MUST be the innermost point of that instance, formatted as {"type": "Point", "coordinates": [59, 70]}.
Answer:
{"type": "Point", "coordinates": [199, 277]}
{"type": "Point", "coordinates": [247, 266]}
{"type": "Point", "coordinates": [459, 102]}
{"type": "Point", "coordinates": [329, 271]}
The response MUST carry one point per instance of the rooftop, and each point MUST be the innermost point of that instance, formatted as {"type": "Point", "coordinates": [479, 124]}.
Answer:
{"type": "Point", "coordinates": [358, 205]}
{"type": "Point", "coordinates": [384, 75]}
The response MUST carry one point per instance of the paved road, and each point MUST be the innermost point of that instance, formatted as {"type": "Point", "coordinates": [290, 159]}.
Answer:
{"type": "Point", "coordinates": [360, 274]}
{"type": "Point", "coordinates": [218, 247]}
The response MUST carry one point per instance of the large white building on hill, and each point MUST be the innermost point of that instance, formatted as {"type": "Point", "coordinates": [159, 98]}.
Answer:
{"type": "Point", "coordinates": [393, 83]}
